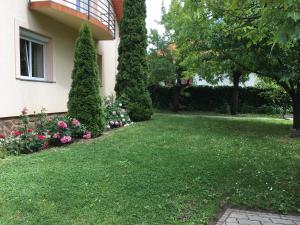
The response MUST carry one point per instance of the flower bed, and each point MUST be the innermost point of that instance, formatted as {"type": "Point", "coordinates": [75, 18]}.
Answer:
{"type": "Point", "coordinates": [56, 131]}
{"type": "Point", "coordinates": [115, 114]}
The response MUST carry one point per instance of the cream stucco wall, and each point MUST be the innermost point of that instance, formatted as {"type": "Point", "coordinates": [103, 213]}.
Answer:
{"type": "Point", "coordinates": [15, 93]}
{"type": "Point", "coordinates": [109, 52]}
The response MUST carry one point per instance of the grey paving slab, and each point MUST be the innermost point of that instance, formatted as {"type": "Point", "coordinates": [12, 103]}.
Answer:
{"type": "Point", "coordinates": [244, 217]}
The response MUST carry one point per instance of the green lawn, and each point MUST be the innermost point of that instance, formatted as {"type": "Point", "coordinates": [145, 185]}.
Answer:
{"type": "Point", "coordinates": [174, 169]}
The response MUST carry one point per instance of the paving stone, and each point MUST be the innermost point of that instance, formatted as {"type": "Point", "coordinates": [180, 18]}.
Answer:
{"type": "Point", "coordinates": [270, 223]}
{"type": "Point", "coordinates": [296, 218]}
{"type": "Point", "coordinates": [231, 220]}
{"type": "Point", "coordinates": [228, 223]}
{"type": "Point", "coordinates": [243, 217]}
{"type": "Point", "coordinates": [238, 215]}
{"type": "Point", "coordinates": [248, 222]}
{"type": "Point", "coordinates": [260, 218]}
{"type": "Point", "coordinates": [282, 221]}
{"type": "Point", "coordinates": [269, 215]}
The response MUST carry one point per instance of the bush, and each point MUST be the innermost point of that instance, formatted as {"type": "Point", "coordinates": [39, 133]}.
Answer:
{"type": "Point", "coordinates": [64, 130]}
{"type": "Point", "coordinates": [115, 113]}
{"type": "Point", "coordinates": [223, 108]}
{"type": "Point", "coordinates": [132, 76]}
{"type": "Point", "coordinates": [245, 108]}
{"type": "Point", "coordinates": [217, 99]}
{"type": "Point", "coordinates": [85, 102]}
{"type": "Point", "coordinates": [53, 131]}
{"type": "Point", "coordinates": [24, 140]}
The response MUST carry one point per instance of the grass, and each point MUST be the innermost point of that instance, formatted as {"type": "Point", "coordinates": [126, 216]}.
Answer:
{"type": "Point", "coordinates": [174, 169]}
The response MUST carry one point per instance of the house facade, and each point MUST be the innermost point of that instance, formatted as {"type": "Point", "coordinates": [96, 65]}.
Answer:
{"type": "Point", "coordinates": [37, 47]}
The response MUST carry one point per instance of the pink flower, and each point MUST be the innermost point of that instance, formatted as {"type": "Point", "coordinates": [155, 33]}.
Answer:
{"type": "Point", "coordinates": [108, 127]}
{"type": "Point", "coordinates": [114, 113]}
{"type": "Point", "coordinates": [24, 111]}
{"type": "Point", "coordinates": [62, 124]}
{"type": "Point", "coordinates": [75, 122]}
{"type": "Point", "coordinates": [29, 131]}
{"type": "Point", "coordinates": [56, 135]}
{"type": "Point", "coordinates": [111, 122]}
{"type": "Point", "coordinates": [87, 135]}
{"type": "Point", "coordinates": [117, 123]}
{"type": "Point", "coordinates": [65, 139]}
{"type": "Point", "coordinates": [2, 136]}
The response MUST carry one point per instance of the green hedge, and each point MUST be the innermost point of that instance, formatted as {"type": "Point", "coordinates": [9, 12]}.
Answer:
{"type": "Point", "coordinates": [217, 99]}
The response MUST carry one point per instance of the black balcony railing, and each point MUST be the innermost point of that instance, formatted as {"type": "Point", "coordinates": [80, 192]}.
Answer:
{"type": "Point", "coordinates": [101, 10]}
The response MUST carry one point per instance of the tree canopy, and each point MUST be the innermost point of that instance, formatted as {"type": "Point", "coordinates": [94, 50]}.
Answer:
{"type": "Point", "coordinates": [251, 36]}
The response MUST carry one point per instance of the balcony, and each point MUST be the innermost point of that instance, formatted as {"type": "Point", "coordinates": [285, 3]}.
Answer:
{"type": "Point", "coordinates": [98, 14]}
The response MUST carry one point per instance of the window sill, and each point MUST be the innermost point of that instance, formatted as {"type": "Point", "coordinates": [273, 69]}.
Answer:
{"type": "Point", "coordinates": [32, 80]}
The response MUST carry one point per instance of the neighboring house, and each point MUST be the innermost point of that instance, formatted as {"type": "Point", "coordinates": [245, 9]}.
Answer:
{"type": "Point", "coordinates": [37, 48]}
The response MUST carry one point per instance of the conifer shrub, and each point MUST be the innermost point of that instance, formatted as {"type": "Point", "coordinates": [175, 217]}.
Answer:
{"type": "Point", "coordinates": [85, 102]}
{"type": "Point", "coordinates": [131, 86]}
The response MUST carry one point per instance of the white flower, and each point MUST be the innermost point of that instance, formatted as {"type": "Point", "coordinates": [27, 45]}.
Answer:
{"type": "Point", "coordinates": [122, 115]}
{"type": "Point", "coordinates": [120, 104]}
{"type": "Point", "coordinates": [123, 120]}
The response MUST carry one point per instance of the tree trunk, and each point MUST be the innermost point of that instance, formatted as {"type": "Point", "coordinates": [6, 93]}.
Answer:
{"type": "Point", "coordinates": [235, 92]}
{"type": "Point", "coordinates": [296, 111]}
{"type": "Point", "coordinates": [176, 97]}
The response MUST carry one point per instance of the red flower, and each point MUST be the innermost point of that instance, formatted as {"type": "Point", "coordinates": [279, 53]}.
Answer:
{"type": "Point", "coordinates": [2, 136]}
{"type": "Point", "coordinates": [16, 133]}
{"type": "Point", "coordinates": [29, 130]}
{"type": "Point", "coordinates": [41, 137]}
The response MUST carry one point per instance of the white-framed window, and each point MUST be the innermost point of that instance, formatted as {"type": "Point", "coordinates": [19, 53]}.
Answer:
{"type": "Point", "coordinates": [32, 55]}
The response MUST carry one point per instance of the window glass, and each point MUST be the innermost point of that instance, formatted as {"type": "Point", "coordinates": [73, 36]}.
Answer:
{"type": "Point", "coordinates": [24, 57]}
{"type": "Point", "coordinates": [32, 55]}
{"type": "Point", "coordinates": [37, 60]}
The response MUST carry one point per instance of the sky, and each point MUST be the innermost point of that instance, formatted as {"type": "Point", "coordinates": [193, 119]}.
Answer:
{"type": "Point", "coordinates": [154, 13]}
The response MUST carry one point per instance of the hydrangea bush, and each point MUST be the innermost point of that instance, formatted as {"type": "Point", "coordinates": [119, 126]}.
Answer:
{"type": "Point", "coordinates": [24, 140]}
{"type": "Point", "coordinates": [57, 130]}
{"type": "Point", "coordinates": [54, 131]}
{"type": "Point", "coordinates": [115, 114]}
{"type": "Point", "coordinates": [64, 130]}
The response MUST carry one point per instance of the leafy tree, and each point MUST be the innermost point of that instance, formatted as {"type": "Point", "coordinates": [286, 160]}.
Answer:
{"type": "Point", "coordinates": [162, 68]}
{"type": "Point", "coordinates": [271, 29]}
{"type": "Point", "coordinates": [85, 102]}
{"type": "Point", "coordinates": [210, 50]}
{"type": "Point", "coordinates": [265, 32]}
{"type": "Point", "coordinates": [164, 65]}
{"type": "Point", "coordinates": [131, 87]}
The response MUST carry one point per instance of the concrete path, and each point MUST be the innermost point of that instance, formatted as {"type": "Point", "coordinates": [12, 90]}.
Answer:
{"type": "Point", "coordinates": [242, 217]}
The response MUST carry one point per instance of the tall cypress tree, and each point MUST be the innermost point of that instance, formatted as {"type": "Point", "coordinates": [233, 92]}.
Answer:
{"type": "Point", "coordinates": [85, 102]}
{"type": "Point", "coordinates": [131, 87]}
